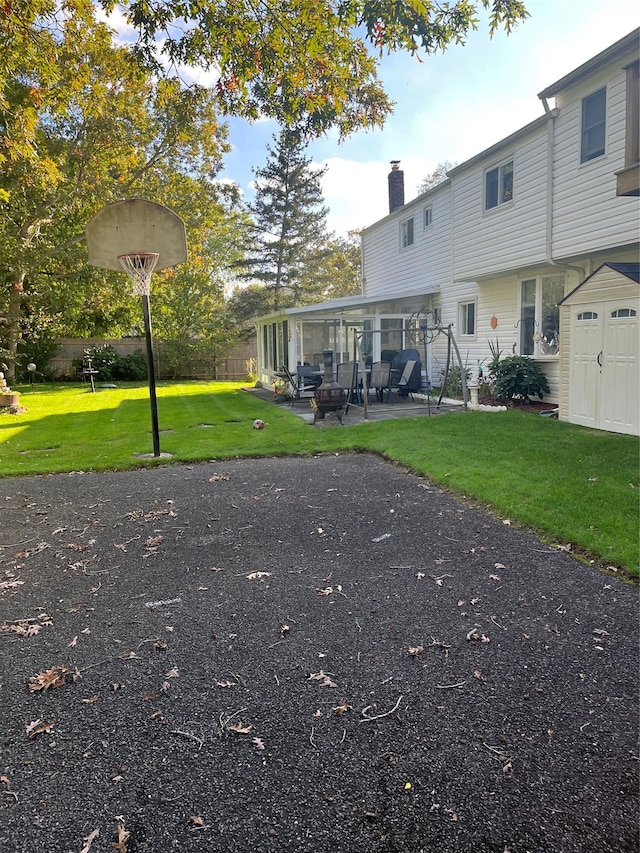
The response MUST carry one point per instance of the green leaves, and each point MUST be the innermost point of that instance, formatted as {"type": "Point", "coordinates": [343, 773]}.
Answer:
{"type": "Point", "coordinates": [304, 62]}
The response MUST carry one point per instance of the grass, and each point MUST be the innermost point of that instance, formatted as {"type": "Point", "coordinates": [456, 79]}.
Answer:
{"type": "Point", "coordinates": [570, 484]}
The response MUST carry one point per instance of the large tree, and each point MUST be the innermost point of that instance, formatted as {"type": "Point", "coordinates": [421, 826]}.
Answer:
{"type": "Point", "coordinates": [310, 63]}
{"type": "Point", "coordinates": [97, 127]}
{"type": "Point", "coordinates": [290, 235]}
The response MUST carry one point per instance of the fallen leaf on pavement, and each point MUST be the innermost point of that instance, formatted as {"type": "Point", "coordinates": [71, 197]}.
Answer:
{"type": "Point", "coordinates": [89, 839]}
{"type": "Point", "coordinates": [238, 727]}
{"type": "Point", "coordinates": [196, 821]}
{"type": "Point", "coordinates": [257, 576]}
{"type": "Point", "coordinates": [257, 743]}
{"type": "Point", "coordinates": [38, 727]}
{"type": "Point", "coordinates": [475, 635]}
{"type": "Point", "coordinates": [54, 677]}
{"type": "Point", "coordinates": [323, 678]}
{"type": "Point", "coordinates": [123, 836]}
{"type": "Point", "coordinates": [415, 650]}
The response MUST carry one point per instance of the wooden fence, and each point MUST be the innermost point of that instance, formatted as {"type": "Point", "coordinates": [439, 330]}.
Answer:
{"type": "Point", "coordinates": [232, 366]}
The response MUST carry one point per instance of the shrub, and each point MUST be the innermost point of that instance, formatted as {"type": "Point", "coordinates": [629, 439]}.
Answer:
{"type": "Point", "coordinates": [132, 367]}
{"type": "Point", "coordinates": [519, 377]}
{"type": "Point", "coordinates": [40, 351]}
{"type": "Point", "coordinates": [453, 385]}
{"type": "Point", "coordinates": [111, 366]}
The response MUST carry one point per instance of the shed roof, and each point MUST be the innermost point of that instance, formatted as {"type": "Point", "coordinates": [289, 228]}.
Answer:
{"type": "Point", "coordinates": [628, 270]}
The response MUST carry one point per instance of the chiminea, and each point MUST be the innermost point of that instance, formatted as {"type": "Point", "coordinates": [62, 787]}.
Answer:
{"type": "Point", "coordinates": [329, 396]}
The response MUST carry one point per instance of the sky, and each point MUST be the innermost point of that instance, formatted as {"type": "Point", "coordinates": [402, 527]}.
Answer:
{"type": "Point", "coordinates": [448, 107]}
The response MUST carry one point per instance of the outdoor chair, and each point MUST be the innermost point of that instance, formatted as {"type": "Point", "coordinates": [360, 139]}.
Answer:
{"type": "Point", "coordinates": [298, 386]}
{"type": "Point", "coordinates": [309, 375]}
{"type": "Point", "coordinates": [380, 379]}
{"type": "Point", "coordinates": [406, 383]}
{"type": "Point", "coordinates": [348, 379]}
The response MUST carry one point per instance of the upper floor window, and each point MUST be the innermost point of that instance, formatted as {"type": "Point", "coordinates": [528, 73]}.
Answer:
{"type": "Point", "coordinates": [498, 185]}
{"type": "Point", "coordinates": [594, 108]}
{"type": "Point", "coordinates": [406, 233]}
{"type": "Point", "coordinates": [427, 217]}
{"type": "Point", "coordinates": [540, 315]}
{"type": "Point", "coordinates": [467, 318]}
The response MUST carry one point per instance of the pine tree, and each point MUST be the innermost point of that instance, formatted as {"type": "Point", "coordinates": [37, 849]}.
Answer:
{"type": "Point", "coordinates": [290, 224]}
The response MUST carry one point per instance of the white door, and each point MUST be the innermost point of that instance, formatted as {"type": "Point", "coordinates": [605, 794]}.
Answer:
{"type": "Point", "coordinates": [585, 371]}
{"type": "Point", "coordinates": [605, 368]}
{"type": "Point", "coordinates": [620, 391]}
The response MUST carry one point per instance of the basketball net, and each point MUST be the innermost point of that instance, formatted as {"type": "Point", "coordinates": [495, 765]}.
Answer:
{"type": "Point", "coordinates": [139, 268]}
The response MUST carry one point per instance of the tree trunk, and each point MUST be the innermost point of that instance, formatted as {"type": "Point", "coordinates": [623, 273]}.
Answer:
{"type": "Point", "coordinates": [12, 333]}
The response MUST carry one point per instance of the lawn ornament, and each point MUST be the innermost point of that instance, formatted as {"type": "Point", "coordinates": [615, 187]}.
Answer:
{"type": "Point", "coordinates": [258, 424]}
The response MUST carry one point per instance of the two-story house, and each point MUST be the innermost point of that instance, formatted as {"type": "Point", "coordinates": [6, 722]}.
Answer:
{"type": "Point", "coordinates": [531, 246]}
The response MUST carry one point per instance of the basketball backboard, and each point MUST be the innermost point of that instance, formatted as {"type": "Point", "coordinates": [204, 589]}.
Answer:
{"type": "Point", "coordinates": [135, 226]}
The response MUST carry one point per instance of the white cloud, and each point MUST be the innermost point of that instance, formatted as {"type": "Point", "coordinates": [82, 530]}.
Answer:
{"type": "Point", "coordinates": [357, 192]}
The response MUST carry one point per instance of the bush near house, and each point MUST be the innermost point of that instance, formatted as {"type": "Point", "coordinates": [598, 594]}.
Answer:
{"type": "Point", "coordinates": [519, 377]}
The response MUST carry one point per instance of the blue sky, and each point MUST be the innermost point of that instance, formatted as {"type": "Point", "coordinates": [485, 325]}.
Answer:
{"type": "Point", "coordinates": [448, 107]}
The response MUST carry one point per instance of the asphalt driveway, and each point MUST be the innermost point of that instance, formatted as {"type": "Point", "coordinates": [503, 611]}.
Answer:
{"type": "Point", "coordinates": [304, 656]}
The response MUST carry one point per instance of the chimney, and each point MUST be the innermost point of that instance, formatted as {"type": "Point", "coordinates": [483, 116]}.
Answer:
{"type": "Point", "coordinates": [396, 186]}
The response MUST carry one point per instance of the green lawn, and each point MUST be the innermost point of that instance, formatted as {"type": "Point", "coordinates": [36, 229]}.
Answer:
{"type": "Point", "coordinates": [570, 484]}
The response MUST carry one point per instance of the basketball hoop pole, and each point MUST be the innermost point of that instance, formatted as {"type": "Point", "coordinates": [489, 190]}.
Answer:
{"type": "Point", "coordinates": [139, 267]}
{"type": "Point", "coordinates": [151, 371]}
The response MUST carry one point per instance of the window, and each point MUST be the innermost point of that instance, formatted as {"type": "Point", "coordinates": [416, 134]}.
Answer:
{"type": "Point", "coordinates": [594, 109]}
{"type": "Point", "coordinates": [619, 313]}
{"type": "Point", "coordinates": [467, 318]}
{"type": "Point", "coordinates": [587, 315]}
{"type": "Point", "coordinates": [406, 233]}
{"type": "Point", "coordinates": [391, 337]}
{"type": "Point", "coordinates": [427, 217]}
{"type": "Point", "coordinates": [498, 185]}
{"type": "Point", "coordinates": [540, 315]}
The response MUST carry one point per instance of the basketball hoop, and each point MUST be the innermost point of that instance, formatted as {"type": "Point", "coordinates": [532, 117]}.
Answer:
{"type": "Point", "coordinates": [139, 268]}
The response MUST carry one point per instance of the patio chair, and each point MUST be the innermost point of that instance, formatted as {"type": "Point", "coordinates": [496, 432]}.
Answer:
{"type": "Point", "coordinates": [299, 386]}
{"type": "Point", "coordinates": [348, 379]}
{"type": "Point", "coordinates": [380, 379]}
{"type": "Point", "coordinates": [410, 379]}
{"type": "Point", "coordinates": [308, 375]}
{"type": "Point", "coordinates": [406, 379]}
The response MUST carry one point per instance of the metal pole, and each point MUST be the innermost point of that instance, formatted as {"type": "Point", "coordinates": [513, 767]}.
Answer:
{"type": "Point", "coordinates": [152, 375]}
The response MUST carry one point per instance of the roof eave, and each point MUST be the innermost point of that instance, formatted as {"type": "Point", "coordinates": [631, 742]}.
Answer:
{"type": "Point", "coordinates": [624, 45]}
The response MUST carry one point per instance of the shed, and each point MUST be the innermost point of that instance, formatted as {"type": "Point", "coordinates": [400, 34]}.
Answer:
{"type": "Point", "coordinates": [599, 358]}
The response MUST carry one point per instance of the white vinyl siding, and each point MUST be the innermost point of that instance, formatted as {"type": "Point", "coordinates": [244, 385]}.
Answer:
{"type": "Point", "coordinates": [588, 216]}
{"type": "Point", "coordinates": [389, 270]}
{"type": "Point", "coordinates": [510, 235]}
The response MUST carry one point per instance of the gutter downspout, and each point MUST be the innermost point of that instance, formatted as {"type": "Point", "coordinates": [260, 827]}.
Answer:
{"type": "Point", "coordinates": [550, 188]}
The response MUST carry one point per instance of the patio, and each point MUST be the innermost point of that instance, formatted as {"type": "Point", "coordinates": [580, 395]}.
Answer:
{"type": "Point", "coordinates": [417, 406]}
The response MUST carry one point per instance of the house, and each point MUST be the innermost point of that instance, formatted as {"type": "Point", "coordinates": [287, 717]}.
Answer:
{"type": "Point", "coordinates": [505, 252]}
